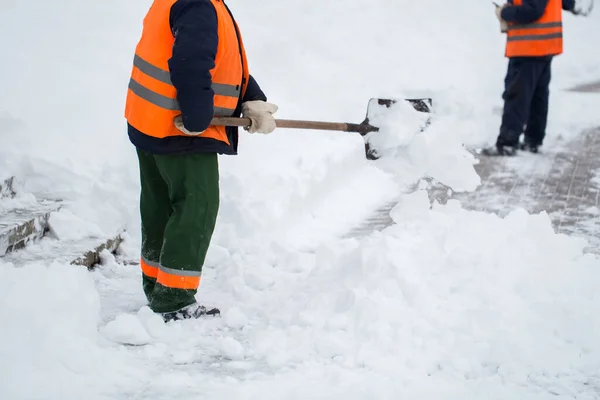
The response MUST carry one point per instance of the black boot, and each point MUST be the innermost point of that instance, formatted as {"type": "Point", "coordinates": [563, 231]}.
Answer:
{"type": "Point", "coordinates": [192, 311]}
{"type": "Point", "coordinates": [500, 150]}
{"type": "Point", "coordinates": [532, 148]}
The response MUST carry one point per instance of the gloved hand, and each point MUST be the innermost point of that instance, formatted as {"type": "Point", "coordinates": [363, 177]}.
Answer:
{"type": "Point", "coordinates": [261, 115]}
{"type": "Point", "coordinates": [583, 7]}
{"type": "Point", "coordinates": [503, 23]}
{"type": "Point", "coordinates": [178, 121]}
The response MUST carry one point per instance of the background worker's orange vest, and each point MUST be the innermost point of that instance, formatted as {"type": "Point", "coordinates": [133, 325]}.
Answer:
{"type": "Point", "coordinates": [540, 38]}
{"type": "Point", "coordinates": [151, 104]}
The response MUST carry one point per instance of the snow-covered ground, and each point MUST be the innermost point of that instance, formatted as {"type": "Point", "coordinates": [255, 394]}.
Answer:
{"type": "Point", "coordinates": [446, 303]}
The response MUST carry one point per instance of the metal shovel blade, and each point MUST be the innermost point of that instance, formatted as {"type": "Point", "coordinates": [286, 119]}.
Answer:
{"type": "Point", "coordinates": [378, 106]}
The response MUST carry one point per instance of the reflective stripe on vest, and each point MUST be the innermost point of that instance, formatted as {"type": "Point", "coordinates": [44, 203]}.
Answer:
{"type": "Point", "coordinates": [168, 103]}
{"type": "Point", "coordinates": [541, 38]}
{"type": "Point", "coordinates": [151, 104]}
{"type": "Point", "coordinates": [532, 28]}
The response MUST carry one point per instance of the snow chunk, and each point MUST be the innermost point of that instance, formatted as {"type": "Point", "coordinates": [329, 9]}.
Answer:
{"type": "Point", "coordinates": [126, 329]}
{"type": "Point", "coordinates": [232, 349]}
{"type": "Point", "coordinates": [67, 226]}
{"type": "Point", "coordinates": [235, 317]}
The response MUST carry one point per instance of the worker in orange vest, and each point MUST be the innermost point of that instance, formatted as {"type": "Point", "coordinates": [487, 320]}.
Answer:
{"type": "Point", "coordinates": [189, 66]}
{"type": "Point", "coordinates": [534, 36]}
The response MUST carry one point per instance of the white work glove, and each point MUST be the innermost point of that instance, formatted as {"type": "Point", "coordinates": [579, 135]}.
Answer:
{"type": "Point", "coordinates": [178, 121]}
{"type": "Point", "coordinates": [261, 115]}
{"type": "Point", "coordinates": [583, 7]}
{"type": "Point", "coordinates": [503, 23]}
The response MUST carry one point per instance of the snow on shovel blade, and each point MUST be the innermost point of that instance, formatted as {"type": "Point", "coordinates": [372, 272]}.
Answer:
{"type": "Point", "coordinates": [377, 110]}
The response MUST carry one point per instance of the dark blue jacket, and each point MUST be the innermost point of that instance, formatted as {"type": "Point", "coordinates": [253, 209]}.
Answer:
{"type": "Point", "coordinates": [530, 10]}
{"type": "Point", "coordinates": [194, 26]}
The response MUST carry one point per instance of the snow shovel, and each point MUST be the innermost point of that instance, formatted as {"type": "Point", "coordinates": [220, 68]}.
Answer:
{"type": "Point", "coordinates": [421, 105]}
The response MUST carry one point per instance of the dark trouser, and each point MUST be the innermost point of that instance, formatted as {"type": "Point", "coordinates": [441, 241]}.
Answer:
{"type": "Point", "coordinates": [525, 100]}
{"type": "Point", "coordinates": [178, 204]}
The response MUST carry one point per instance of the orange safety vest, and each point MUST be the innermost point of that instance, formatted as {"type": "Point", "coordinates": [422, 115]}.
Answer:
{"type": "Point", "coordinates": [541, 38]}
{"type": "Point", "coordinates": [151, 102]}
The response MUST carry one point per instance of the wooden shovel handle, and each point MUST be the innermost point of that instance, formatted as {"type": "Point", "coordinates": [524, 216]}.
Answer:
{"type": "Point", "coordinates": [288, 123]}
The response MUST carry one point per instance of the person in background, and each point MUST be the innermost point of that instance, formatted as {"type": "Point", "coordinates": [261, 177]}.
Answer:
{"type": "Point", "coordinates": [534, 36]}
{"type": "Point", "coordinates": [189, 66]}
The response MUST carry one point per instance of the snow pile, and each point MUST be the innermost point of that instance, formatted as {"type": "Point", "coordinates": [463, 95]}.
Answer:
{"type": "Point", "coordinates": [51, 348]}
{"type": "Point", "coordinates": [448, 303]}
{"type": "Point", "coordinates": [445, 303]}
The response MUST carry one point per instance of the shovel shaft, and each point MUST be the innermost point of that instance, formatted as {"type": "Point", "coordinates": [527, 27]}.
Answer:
{"type": "Point", "coordinates": [315, 125]}
{"type": "Point", "coordinates": [289, 123]}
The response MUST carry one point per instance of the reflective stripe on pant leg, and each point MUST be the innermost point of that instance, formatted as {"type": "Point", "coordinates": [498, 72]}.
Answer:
{"type": "Point", "coordinates": [178, 279]}
{"type": "Point", "coordinates": [149, 274]}
{"type": "Point", "coordinates": [149, 268]}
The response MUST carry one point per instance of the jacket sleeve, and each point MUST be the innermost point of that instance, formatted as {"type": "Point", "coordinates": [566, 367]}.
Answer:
{"type": "Point", "coordinates": [528, 12]}
{"type": "Point", "coordinates": [253, 91]}
{"type": "Point", "coordinates": [568, 5]}
{"type": "Point", "coordinates": [194, 26]}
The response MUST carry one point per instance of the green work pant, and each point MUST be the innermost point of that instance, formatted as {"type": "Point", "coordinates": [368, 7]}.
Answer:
{"type": "Point", "coordinates": [178, 204]}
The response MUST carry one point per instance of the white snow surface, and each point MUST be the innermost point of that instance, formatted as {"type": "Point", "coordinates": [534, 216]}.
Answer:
{"type": "Point", "coordinates": [444, 304]}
